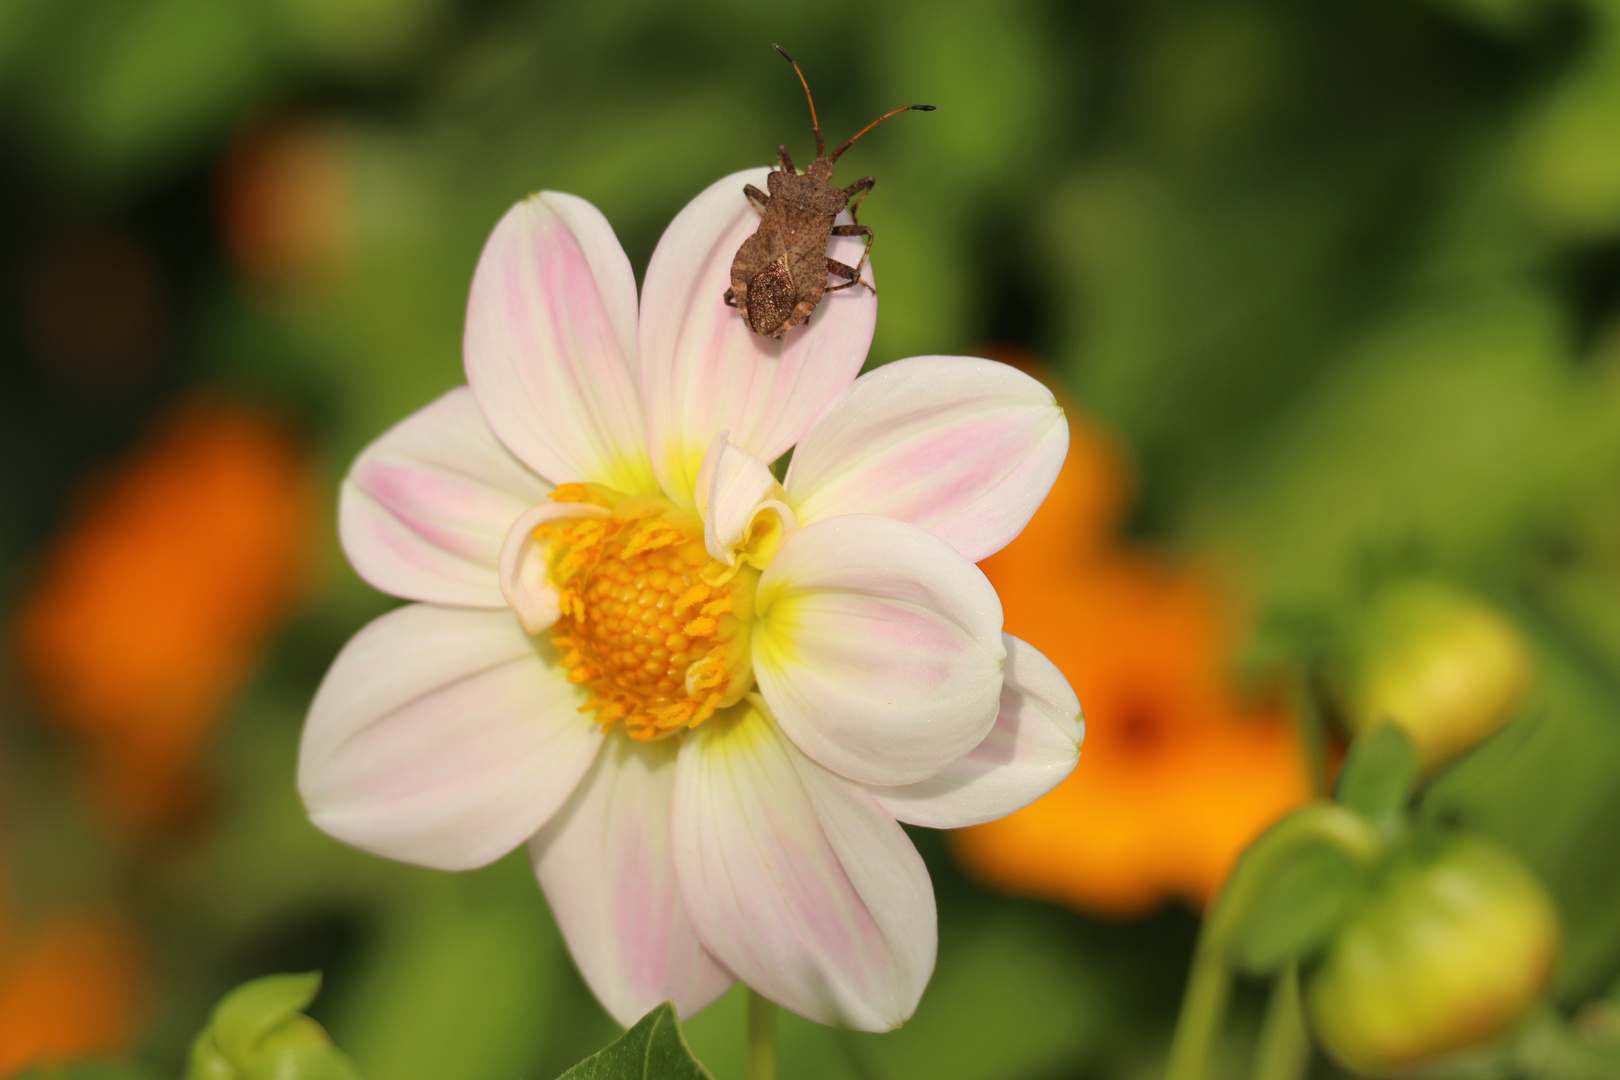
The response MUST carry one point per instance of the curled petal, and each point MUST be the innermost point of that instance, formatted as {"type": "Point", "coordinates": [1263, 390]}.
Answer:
{"type": "Point", "coordinates": [733, 489]}
{"type": "Point", "coordinates": [443, 737]}
{"type": "Point", "coordinates": [1033, 747]}
{"type": "Point", "coordinates": [550, 344]}
{"type": "Point", "coordinates": [424, 508]}
{"type": "Point", "coordinates": [963, 447]}
{"type": "Point", "coordinates": [607, 867]}
{"type": "Point", "coordinates": [878, 648]}
{"type": "Point", "coordinates": [797, 880]}
{"type": "Point", "coordinates": [705, 473]}
{"type": "Point", "coordinates": [703, 371]}
{"type": "Point", "coordinates": [524, 568]}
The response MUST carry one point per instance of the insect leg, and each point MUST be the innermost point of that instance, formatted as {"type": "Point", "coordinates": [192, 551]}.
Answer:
{"type": "Point", "coordinates": [856, 230]}
{"type": "Point", "coordinates": [844, 271]}
{"type": "Point", "coordinates": [757, 197]}
{"type": "Point", "coordinates": [857, 191]}
{"type": "Point", "coordinates": [731, 298]}
{"type": "Point", "coordinates": [784, 160]}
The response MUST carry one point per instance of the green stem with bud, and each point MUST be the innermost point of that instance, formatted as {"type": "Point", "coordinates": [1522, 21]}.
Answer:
{"type": "Point", "coordinates": [1209, 984]}
{"type": "Point", "coordinates": [761, 1037]}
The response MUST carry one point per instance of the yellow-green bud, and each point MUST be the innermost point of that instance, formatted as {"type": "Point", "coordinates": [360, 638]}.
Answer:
{"type": "Point", "coordinates": [1445, 666]}
{"type": "Point", "coordinates": [1454, 945]}
{"type": "Point", "coordinates": [258, 1033]}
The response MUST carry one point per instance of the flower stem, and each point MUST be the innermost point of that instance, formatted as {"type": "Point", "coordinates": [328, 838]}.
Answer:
{"type": "Point", "coordinates": [1285, 1048]}
{"type": "Point", "coordinates": [1202, 1010]}
{"type": "Point", "coordinates": [1309, 707]}
{"type": "Point", "coordinates": [761, 1037]}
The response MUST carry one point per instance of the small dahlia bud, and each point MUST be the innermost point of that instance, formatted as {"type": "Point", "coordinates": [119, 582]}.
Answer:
{"type": "Point", "coordinates": [1444, 665]}
{"type": "Point", "coordinates": [1453, 946]}
{"type": "Point", "coordinates": [258, 1032]}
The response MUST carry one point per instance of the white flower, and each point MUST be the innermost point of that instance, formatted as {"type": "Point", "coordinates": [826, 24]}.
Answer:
{"type": "Point", "coordinates": [702, 696]}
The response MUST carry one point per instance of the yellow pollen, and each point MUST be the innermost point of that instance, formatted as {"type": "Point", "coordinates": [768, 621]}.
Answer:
{"type": "Point", "coordinates": [595, 494]}
{"type": "Point", "coordinates": [699, 628]}
{"type": "Point", "coordinates": [641, 630]}
{"type": "Point", "coordinates": [693, 596]}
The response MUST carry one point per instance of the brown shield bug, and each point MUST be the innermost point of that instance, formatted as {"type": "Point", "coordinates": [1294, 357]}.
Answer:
{"type": "Point", "coordinates": [780, 273]}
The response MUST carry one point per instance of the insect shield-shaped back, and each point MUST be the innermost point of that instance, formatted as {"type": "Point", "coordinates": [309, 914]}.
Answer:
{"type": "Point", "coordinates": [779, 274]}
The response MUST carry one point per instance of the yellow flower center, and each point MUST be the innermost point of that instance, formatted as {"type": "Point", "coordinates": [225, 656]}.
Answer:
{"type": "Point", "coordinates": [651, 626]}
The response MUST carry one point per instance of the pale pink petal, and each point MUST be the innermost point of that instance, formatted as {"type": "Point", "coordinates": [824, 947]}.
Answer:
{"type": "Point", "coordinates": [703, 371]}
{"type": "Point", "coordinates": [733, 487]}
{"type": "Point", "coordinates": [444, 737]}
{"type": "Point", "coordinates": [878, 648]}
{"type": "Point", "coordinates": [963, 447]}
{"type": "Point", "coordinates": [424, 509]}
{"type": "Point", "coordinates": [605, 863]}
{"type": "Point", "coordinates": [797, 880]}
{"type": "Point", "coordinates": [1033, 747]}
{"type": "Point", "coordinates": [524, 569]}
{"type": "Point", "coordinates": [550, 344]}
{"type": "Point", "coordinates": [705, 474]}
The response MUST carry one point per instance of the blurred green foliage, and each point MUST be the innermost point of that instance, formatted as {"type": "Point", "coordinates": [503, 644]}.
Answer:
{"type": "Point", "coordinates": [1344, 275]}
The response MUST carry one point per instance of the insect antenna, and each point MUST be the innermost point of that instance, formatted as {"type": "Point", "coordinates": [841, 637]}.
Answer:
{"type": "Point", "coordinates": [821, 147]}
{"type": "Point", "coordinates": [851, 140]}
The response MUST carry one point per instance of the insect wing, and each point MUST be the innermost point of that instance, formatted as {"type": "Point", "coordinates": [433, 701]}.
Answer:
{"type": "Point", "coordinates": [771, 297]}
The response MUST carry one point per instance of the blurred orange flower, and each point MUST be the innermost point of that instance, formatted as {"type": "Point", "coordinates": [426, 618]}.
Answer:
{"type": "Point", "coordinates": [157, 596]}
{"type": "Point", "coordinates": [1177, 775]}
{"type": "Point", "coordinates": [67, 991]}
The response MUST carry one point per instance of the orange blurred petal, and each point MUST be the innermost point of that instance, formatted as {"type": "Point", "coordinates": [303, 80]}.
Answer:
{"type": "Point", "coordinates": [1176, 776]}
{"type": "Point", "coordinates": [71, 991]}
{"type": "Point", "coordinates": [157, 596]}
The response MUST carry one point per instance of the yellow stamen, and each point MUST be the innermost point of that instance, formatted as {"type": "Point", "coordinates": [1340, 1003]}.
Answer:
{"type": "Point", "coordinates": [644, 627]}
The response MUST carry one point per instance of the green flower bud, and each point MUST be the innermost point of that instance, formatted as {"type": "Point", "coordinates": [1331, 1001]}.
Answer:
{"type": "Point", "coordinates": [1445, 666]}
{"type": "Point", "coordinates": [258, 1032]}
{"type": "Point", "coordinates": [1454, 944]}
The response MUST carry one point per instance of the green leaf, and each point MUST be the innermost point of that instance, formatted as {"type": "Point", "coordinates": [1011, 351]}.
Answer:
{"type": "Point", "coordinates": [1379, 773]}
{"type": "Point", "coordinates": [1296, 911]}
{"type": "Point", "coordinates": [1294, 886]}
{"type": "Point", "coordinates": [654, 1049]}
{"type": "Point", "coordinates": [1491, 763]}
